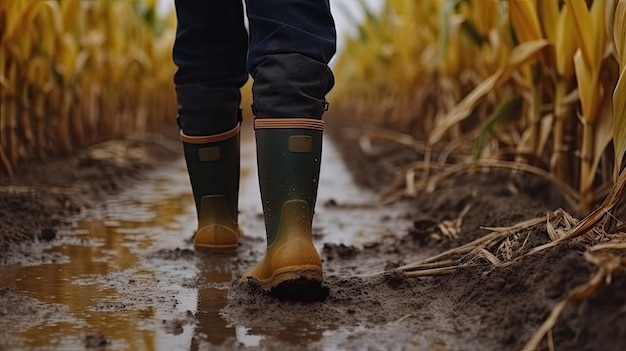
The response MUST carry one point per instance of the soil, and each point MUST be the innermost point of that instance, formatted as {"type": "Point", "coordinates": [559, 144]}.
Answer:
{"type": "Point", "coordinates": [365, 303]}
{"type": "Point", "coordinates": [45, 195]}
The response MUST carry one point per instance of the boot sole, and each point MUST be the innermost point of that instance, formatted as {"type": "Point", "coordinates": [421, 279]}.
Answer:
{"type": "Point", "coordinates": [215, 247]}
{"type": "Point", "coordinates": [300, 275]}
{"type": "Point", "coordinates": [212, 233]}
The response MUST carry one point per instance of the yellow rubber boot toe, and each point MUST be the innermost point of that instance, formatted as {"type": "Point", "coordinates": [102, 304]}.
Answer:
{"type": "Point", "coordinates": [292, 257]}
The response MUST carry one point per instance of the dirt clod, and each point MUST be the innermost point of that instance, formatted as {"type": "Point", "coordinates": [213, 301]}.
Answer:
{"type": "Point", "coordinates": [48, 234]}
{"type": "Point", "coordinates": [341, 251]}
{"type": "Point", "coordinates": [96, 341]}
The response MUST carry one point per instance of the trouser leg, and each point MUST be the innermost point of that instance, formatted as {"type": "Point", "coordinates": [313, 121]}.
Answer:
{"type": "Point", "coordinates": [291, 43]}
{"type": "Point", "coordinates": [210, 52]}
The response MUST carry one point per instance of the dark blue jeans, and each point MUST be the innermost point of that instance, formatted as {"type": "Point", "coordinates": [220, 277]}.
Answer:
{"type": "Point", "coordinates": [286, 53]}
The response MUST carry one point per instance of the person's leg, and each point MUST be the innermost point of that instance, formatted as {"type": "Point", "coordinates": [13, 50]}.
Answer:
{"type": "Point", "coordinates": [291, 42]}
{"type": "Point", "coordinates": [210, 52]}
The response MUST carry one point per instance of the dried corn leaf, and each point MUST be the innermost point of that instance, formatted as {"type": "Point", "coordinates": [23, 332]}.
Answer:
{"type": "Point", "coordinates": [619, 95]}
{"type": "Point", "coordinates": [523, 14]}
{"type": "Point", "coordinates": [519, 56]}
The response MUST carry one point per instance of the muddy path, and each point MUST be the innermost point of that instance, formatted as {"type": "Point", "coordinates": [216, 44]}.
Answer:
{"type": "Point", "coordinates": [123, 275]}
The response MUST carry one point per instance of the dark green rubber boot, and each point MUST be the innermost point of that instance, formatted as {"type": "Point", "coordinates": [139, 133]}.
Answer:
{"type": "Point", "coordinates": [213, 167]}
{"type": "Point", "coordinates": [288, 154]}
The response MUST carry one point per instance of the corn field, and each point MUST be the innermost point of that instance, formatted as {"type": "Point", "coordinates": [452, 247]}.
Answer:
{"type": "Point", "coordinates": [76, 72]}
{"type": "Point", "coordinates": [539, 83]}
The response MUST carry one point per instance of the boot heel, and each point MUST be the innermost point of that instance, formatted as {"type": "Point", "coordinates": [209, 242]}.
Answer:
{"type": "Point", "coordinates": [292, 256]}
{"type": "Point", "coordinates": [213, 166]}
{"type": "Point", "coordinates": [216, 228]}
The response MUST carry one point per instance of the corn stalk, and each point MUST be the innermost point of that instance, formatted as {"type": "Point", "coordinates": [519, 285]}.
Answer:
{"type": "Point", "coordinates": [558, 26]}
{"type": "Point", "coordinates": [466, 57]}
{"type": "Point", "coordinates": [525, 21]}
{"type": "Point", "coordinates": [619, 95]}
{"type": "Point", "coordinates": [589, 24]}
{"type": "Point", "coordinates": [76, 72]}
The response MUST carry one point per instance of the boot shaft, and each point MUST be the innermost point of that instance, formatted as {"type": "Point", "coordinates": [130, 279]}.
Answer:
{"type": "Point", "coordinates": [289, 155]}
{"type": "Point", "coordinates": [213, 167]}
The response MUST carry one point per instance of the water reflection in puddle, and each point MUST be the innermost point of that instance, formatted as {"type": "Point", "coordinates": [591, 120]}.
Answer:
{"type": "Point", "coordinates": [104, 276]}
{"type": "Point", "coordinates": [100, 277]}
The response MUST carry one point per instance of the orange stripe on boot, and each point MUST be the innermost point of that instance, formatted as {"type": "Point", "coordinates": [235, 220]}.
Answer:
{"type": "Point", "coordinates": [210, 138]}
{"type": "Point", "coordinates": [278, 123]}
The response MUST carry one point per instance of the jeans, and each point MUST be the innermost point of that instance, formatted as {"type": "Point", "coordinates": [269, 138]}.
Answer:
{"type": "Point", "coordinates": [286, 53]}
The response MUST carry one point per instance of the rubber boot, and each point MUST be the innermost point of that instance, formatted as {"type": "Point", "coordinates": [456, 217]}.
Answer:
{"type": "Point", "coordinates": [288, 155]}
{"type": "Point", "coordinates": [213, 167]}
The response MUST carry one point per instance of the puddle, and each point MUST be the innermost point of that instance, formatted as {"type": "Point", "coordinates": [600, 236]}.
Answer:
{"type": "Point", "coordinates": [111, 275]}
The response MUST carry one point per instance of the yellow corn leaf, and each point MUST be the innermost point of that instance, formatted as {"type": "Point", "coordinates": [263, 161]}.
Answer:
{"type": "Point", "coordinates": [549, 15]}
{"type": "Point", "coordinates": [18, 14]}
{"type": "Point", "coordinates": [3, 10]}
{"type": "Point", "coordinates": [588, 88]}
{"type": "Point", "coordinates": [619, 95]}
{"type": "Point", "coordinates": [523, 15]}
{"type": "Point", "coordinates": [51, 28]}
{"type": "Point", "coordinates": [17, 26]}
{"type": "Point", "coordinates": [609, 16]}
{"type": "Point", "coordinates": [590, 29]}
{"type": "Point", "coordinates": [588, 60]}
{"type": "Point", "coordinates": [55, 17]}
{"type": "Point", "coordinates": [520, 55]}
{"type": "Point", "coordinates": [70, 10]}
{"type": "Point", "coordinates": [485, 15]}
{"type": "Point", "coordinates": [66, 56]}
{"type": "Point", "coordinates": [619, 32]}
{"type": "Point", "coordinates": [450, 63]}
{"type": "Point", "coordinates": [619, 120]}
{"type": "Point", "coordinates": [38, 71]}
{"type": "Point", "coordinates": [81, 62]}
{"type": "Point", "coordinates": [151, 4]}
{"type": "Point", "coordinates": [4, 81]}
{"type": "Point", "coordinates": [603, 136]}
{"type": "Point", "coordinates": [545, 130]}
{"type": "Point", "coordinates": [565, 43]}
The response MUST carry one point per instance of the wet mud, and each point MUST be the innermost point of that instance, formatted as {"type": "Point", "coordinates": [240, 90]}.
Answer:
{"type": "Point", "coordinates": [120, 273]}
